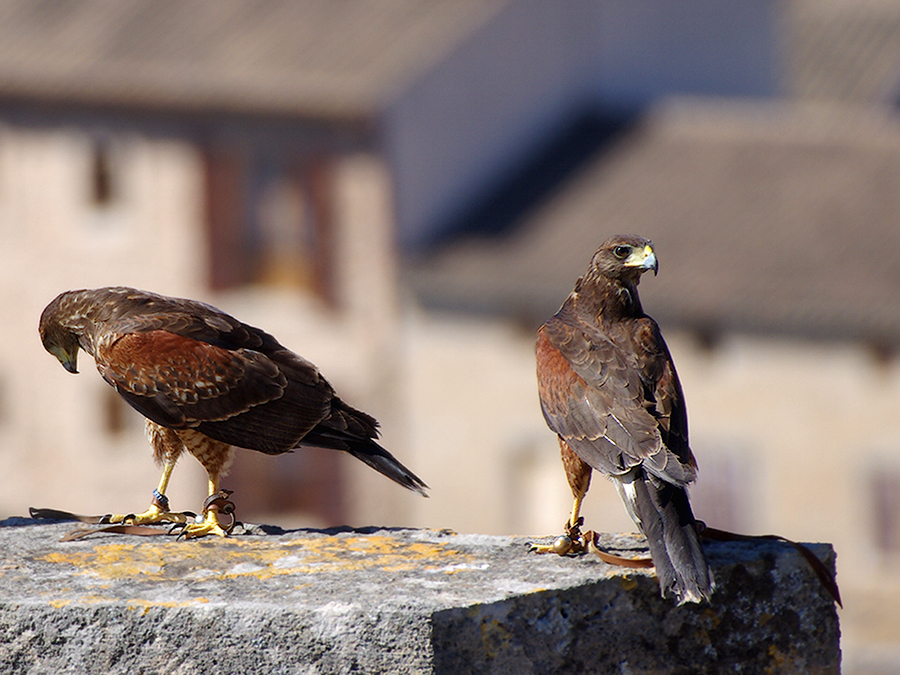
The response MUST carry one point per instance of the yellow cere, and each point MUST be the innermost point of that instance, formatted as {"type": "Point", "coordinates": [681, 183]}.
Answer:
{"type": "Point", "coordinates": [234, 558]}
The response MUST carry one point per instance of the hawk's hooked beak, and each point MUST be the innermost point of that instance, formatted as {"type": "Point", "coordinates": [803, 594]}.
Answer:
{"type": "Point", "coordinates": [645, 259]}
{"type": "Point", "coordinates": [68, 361]}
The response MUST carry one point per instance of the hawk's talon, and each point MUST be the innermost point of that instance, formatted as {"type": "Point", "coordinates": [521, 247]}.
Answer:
{"type": "Point", "coordinates": [562, 545]}
{"type": "Point", "coordinates": [200, 528]}
{"type": "Point", "coordinates": [572, 542]}
{"type": "Point", "coordinates": [207, 522]}
{"type": "Point", "coordinates": [151, 516]}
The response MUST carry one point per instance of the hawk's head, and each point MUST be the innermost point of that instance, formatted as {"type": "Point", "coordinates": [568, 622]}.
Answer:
{"type": "Point", "coordinates": [624, 258]}
{"type": "Point", "coordinates": [56, 337]}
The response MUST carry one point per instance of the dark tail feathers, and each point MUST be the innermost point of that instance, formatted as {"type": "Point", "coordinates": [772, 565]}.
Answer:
{"type": "Point", "coordinates": [355, 432]}
{"type": "Point", "coordinates": [385, 463]}
{"type": "Point", "coordinates": [663, 513]}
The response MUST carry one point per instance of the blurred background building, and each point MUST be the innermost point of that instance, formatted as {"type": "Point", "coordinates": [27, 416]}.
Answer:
{"type": "Point", "coordinates": [403, 190]}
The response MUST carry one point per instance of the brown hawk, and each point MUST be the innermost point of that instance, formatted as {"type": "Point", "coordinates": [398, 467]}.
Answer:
{"type": "Point", "coordinates": [609, 389]}
{"type": "Point", "coordinates": [206, 382]}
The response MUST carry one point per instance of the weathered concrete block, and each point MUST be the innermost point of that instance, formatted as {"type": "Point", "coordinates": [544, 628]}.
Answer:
{"type": "Point", "coordinates": [393, 601]}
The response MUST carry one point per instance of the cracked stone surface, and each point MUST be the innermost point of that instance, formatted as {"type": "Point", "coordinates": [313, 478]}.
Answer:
{"type": "Point", "coordinates": [394, 601]}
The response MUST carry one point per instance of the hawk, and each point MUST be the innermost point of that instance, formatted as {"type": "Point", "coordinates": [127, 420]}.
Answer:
{"type": "Point", "coordinates": [206, 383]}
{"type": "Point", "coordinates": [609, 390]}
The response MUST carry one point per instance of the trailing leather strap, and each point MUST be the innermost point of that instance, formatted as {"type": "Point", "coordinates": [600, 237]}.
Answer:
{"type": "Point", "coordinates": [826, 579]}
{"type": "Point", "coordinates": [612, 559]}
{"type": "Point", "coordinates": [81, 532]}
{"type": "Point", "coordinates": [56, 514]}
{"type": "Point", "coordinates": [219, 500]}
{"type": "Point", "coordinates": [140, 530]}
{"type": "Point", "coordinates": [822, 573]}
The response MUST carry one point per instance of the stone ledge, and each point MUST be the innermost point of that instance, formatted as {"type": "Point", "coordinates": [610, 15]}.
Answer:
{"type": "Point", "coordinates": [388, 600]}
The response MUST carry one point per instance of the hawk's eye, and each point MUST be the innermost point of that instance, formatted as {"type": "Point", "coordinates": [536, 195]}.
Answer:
{"type": "Point", "coordinates": [622, 252]}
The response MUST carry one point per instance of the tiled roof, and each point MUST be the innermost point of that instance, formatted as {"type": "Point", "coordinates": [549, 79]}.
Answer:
{"type": "Point", "coordinates": [773, 217]}
{"type": "Point", "coordinates": [343, 58]}
{"type": "Point", "coordinates": [843, 50]}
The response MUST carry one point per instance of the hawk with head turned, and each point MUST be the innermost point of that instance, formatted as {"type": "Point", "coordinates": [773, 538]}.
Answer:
{"type": "Point", "coordinates": [609, 390]}
{"type": "Point", "coordinates": [206, 383]}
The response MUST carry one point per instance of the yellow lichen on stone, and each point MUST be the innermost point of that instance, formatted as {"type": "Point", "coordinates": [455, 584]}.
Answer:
{"type": "Point", "coordinates": [779, 662]}
{"type": "Point", "coordinates": [628, 583]}
{"type": "Point", "coordinates": [495, 638]}
{"type": "Point", "coordinates": [234, 557]}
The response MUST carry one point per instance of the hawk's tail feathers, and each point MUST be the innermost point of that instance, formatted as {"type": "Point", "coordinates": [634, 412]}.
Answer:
{"type": "Point", "coordinates": [386, 464]}
{"type": "Point", "coordinates": [663, 513]}
{"type": "Point", "coordinates": [354, 431]}
{"type": "Point", "coordinates": [368, 451]}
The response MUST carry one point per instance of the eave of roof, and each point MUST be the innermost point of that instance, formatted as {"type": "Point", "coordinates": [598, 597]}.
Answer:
{"type": "Point", "coordinates": [770, 217]}
{"type": "Point", "coordinates": [315, 58]}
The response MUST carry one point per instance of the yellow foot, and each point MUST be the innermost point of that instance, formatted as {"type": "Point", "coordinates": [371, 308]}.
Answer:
{"type": "Point", "coordinates": [215, 504]}
{"type": "Point", "coordinates": [562, 545]}
{"type": "Point", "coordinates": [152, 515]}
{"type": "Point", "coordinates": [201, 528]}
{"type": "Point", "coordinates": [570, 542]}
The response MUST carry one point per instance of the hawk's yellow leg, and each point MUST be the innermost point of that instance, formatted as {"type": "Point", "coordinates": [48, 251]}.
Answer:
{"type": "Point", "coordinates": [158, 511]}
{"type": "Point", "coordinates": [578, 475]}
{"type": "Point", "coordinates": [571, 541]}
{"type": "Point", "coordinates": [210, 523]}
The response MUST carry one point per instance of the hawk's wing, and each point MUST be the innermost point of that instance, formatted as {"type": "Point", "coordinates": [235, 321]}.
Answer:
{"type": "Point", "coordinates": [615, 398]}
{"type": "Point", "coordinates": [239, 396]}
{"type": "Point", "coordinates": [141, 312]}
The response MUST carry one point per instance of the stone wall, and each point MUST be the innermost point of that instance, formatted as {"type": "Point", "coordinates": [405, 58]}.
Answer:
{"type": "Point", "coordinates": [393, 601]}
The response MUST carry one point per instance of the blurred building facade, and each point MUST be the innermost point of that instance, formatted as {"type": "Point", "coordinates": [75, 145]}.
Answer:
{"type": "Point", "coordinates": [403, 191]}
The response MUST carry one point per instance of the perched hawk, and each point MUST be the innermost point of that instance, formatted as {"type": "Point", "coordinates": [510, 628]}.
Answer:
{"type": "Point", "coordinates": [609, 390]}
{"type": "Point", "coordinates": [206, 382]}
